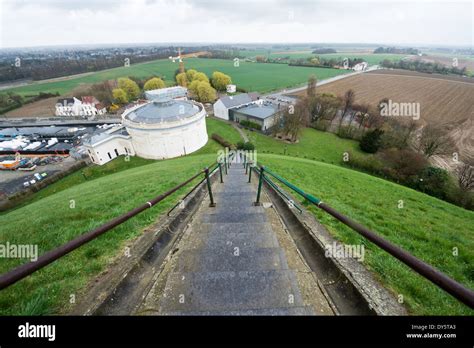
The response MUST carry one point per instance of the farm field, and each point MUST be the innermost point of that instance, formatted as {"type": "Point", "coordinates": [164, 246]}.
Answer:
{"type": "Point", "coordinates": [402, 72]}
{"type": "Point", "coordinates": [442, 101]}
{"type": "Point", "coordinates": [250, 76]}
{"type": "Point", "coordinates": [372, 59]}
{"type": "Point", "coordinates": [463, 61]}
{"type": "Point", "coordinates": [373, 202]}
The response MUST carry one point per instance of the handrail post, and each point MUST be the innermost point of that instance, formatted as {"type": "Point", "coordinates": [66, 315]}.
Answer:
{"type": "Point", "coordinates": [250, 174]}
{"type": "Point", "coordinates": [225, 164]}
{"type": "Point", "coordinates": [260, 181]}
{"type": "Point", "coordinates": [206, 171]}
{"type": "Point", "coordinates": [245, 160]}
{"type": "Point", "coordinates": [220, 172]}
{"type": "Point", "coordinates": [246, 168]}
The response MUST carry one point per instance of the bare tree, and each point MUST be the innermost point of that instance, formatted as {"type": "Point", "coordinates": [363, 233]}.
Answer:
{"type": "Point", "coordinates": [294, 119]}
{"type": "Point", "coordinates": [347, 100]}
{"type": "Point", "coordinates": [435, 140]}
{"type": "Point", "coordinates": [466, 177]}
{"type": "Point", "coordinates": [311, 89]}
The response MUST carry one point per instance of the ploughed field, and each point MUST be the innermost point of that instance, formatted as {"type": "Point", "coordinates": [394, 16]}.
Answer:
{"type": "Point", "coordinates": [443, 100]}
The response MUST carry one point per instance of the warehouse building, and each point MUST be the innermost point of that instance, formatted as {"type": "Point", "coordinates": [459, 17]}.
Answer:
{"type": "Point", "coordinates": [262, 114]}
{"type": "Point", "coordinates": [224, 104]}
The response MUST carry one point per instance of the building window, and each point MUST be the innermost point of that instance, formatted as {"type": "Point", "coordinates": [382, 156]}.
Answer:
{"type": "Point", "coordinates": [116, 152]}
{"type": "Point", "coordinates": [108, 153]}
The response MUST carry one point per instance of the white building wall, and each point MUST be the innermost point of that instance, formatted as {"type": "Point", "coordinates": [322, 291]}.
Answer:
{"type": "Point", "coordinates": [220, 110]}
{"type": "Point", "coordinates": [169, 142]}
{"type": "Point", "coordinates": [268, 122]}
{"type": "Point", "coordinates": [99, 153]}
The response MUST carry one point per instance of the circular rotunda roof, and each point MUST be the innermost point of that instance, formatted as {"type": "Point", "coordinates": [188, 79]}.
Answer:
{"type": "Point", "coordinates": [160, 111]}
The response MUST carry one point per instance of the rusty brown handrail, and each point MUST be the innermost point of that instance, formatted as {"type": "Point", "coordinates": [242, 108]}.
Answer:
{"type": "Point", "coordinates": [25, 270]}
{"type": "Point", "coordinates": [451, 286]}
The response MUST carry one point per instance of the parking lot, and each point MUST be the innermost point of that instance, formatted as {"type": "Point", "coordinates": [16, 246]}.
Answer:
{"type": "Point", "coordinates": [14, 181]}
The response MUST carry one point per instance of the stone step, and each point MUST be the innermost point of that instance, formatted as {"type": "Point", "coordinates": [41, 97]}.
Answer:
{"type": "Point", "coordinates": [232, 216]}
{"type": "Point", "coordinates": [243, 208]}
{"type": "Point", "coordinates": [228, 240]}
{"type": "Point", "coordinates": [229, 291]}
{"type": "Point", "coordinates": [236, 227]}
{"type": "Point", "coordinates": [262, 312]}
{"type": "Point", "coordinates": [231, 258]}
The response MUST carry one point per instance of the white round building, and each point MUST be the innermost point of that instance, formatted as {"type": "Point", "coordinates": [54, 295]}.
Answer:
{"type": "Point", "coordinates": [166, 128]}
{"type": "Point", "coordinates": [159, 129]}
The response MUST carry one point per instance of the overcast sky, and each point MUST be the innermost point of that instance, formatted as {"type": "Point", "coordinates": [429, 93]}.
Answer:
{"type": "Point", "coordinates": [27, 23]}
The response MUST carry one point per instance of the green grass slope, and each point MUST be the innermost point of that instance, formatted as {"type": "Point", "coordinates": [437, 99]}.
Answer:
{"type": "Point", "coordinates": [313, 144]}
{"type": "Point", "coordinates": [250, 76]}
{"type": "Point", "coordinates": [51, 222]}
{"type": "Point", "coordinates": [426, 227]}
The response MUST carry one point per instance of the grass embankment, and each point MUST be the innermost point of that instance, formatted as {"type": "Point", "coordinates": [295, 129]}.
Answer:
{"type": "Point", "coordinates": [426, 227]}
{"type": "Point", "coordinates": [313, 144]}
{"type": "Point", "coordinates": [250, 76]}
{"type": "Point", "coordinates": [51, 222]}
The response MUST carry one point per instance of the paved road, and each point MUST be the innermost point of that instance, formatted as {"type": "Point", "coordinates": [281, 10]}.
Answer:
{"type": "Point", "coordinates": [283, 92]}
{"type": "Point", "coordinates": [231, 261]}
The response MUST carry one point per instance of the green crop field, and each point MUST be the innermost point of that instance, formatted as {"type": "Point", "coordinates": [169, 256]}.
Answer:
{"type": "Point", "coordinates": [426, 227]}
{"type": "Point", "coordinates": [250, 76]}
{"type": "Point", "coordinates": [372, 59]}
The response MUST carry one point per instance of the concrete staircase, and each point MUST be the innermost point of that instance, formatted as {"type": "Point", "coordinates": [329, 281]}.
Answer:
{"type": "Point", "coordinates": [229, 262]}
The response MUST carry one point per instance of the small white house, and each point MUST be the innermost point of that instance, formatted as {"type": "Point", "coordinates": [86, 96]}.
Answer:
{"type": "Point", "coordinates": [224, 104]}
{"type": "Point", "coordinates": [87, 106]}
{"type": "Point", "coordinates": [361, 66]}
{"type": "Point", "coordinates": [231, 88]}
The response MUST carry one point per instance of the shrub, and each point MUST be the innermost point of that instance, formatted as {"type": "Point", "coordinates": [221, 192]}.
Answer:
{"type": "Point", "coordinates": [222, 141]}
{"type": "Point", "coordinates": [250, 124]}
{"type": "Point", "coordinates": [371, 141]}
{"type": "Point", "coordinates": [247, 146]}
{"type": "Point", "coordinates": [368, 164]}
{"type": "Point", "coordinates": [403, 165]}
{"type": "Point", "coordinates": [322, 125]}
{"type": "Point", "coordinates": [432, 181]}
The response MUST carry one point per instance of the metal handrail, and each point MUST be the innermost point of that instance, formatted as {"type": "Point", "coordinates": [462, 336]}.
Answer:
{"type": "Point", "coordinates": [452, 287]}
{"type": "Point", "coordinates": [218, 166]}
{"type": "Point", "coordinates": [27, 269]}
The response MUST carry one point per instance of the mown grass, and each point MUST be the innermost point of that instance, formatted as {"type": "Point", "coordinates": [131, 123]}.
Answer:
{"type": "Point", "coordinates": [250, 76]}
{"type": "Point", "coordinates": [51, 222]}
{"type": "Point", "coordinates": [313, 144]}
{"type": "Point", "coordinates": [426, 227]}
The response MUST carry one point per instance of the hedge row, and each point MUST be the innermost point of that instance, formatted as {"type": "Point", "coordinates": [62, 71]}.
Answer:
{"type": "Point", "coordinates": [222, 141]}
